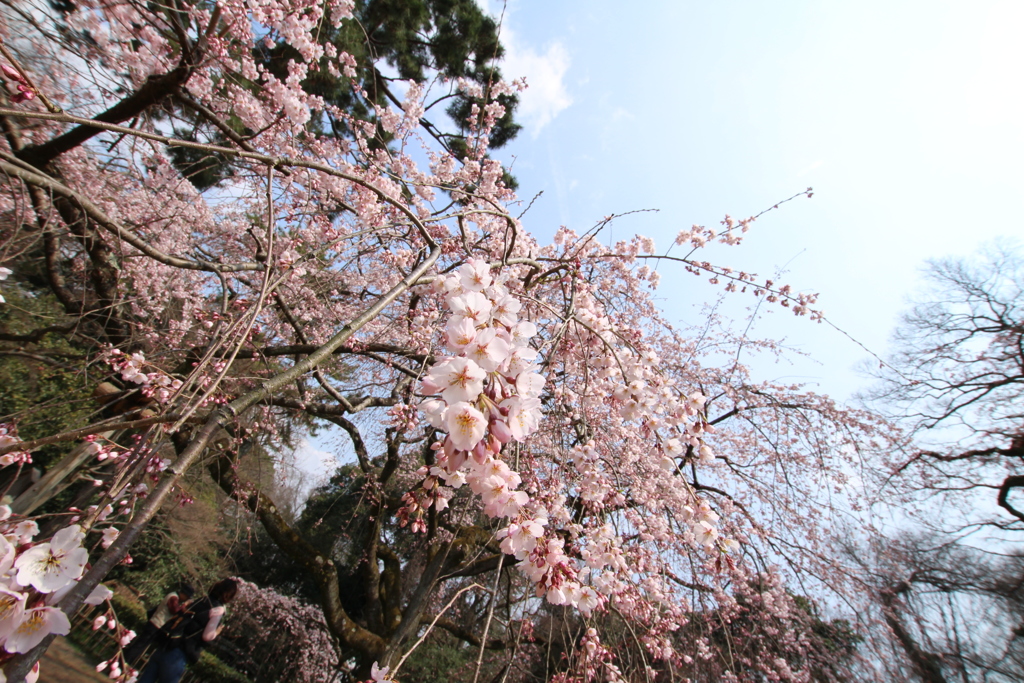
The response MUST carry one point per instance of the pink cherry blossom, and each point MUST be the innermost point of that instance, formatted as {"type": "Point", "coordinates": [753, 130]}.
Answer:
{"type": "Point", "coordinates": [472, 306]}
{"type": "Point", "coordinates": [475, 275]}
{"type": "Point", "coordinates": [459, 379]}
{"type": "Point", "coordinates": [488, 350]}
{"type": "Point", "coordinates": [461, 333]}
{"type": "Point", "coordinates": [12, 607]}
{"type": "Point", "coordinates": [466, 425]}
{"type": "Point", "coordinates": [379, 674]}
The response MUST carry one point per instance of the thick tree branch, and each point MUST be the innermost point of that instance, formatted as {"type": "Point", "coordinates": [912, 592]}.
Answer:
{"type": "Point", "coordinates": [155, 89]}
{"type": "Point", "coordinates": [94, 429]}
{"type": "Point", "coordinates": [926, 664]}
{"type": "Point", "coordinates": [444, 557]}
{"type": "Point", "coordinates": [98, 216]}
{"type": "Point", "coordinates": [276, 162]}
{"type": "Point", "coordinates": [36, 335]}
{"type": "Point", "coordinates": [1011, 482]}
{"type": "Point", "coordinates": [362, 349]}
{"type": "Point", "coordinates": [481, 566]}
{"type": "Point", "coordinates": [463, 633]}
{"type": "Point", "coordinates": [390, 587]}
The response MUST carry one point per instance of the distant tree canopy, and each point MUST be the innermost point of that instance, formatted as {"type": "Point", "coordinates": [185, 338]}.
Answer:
{"type": "Point", "coordinates": [956, 380]}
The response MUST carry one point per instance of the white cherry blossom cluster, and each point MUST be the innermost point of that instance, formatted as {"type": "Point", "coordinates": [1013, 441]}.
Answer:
{"type": "Point", "coordinates": [489, 396]}
{"type": "Point", "coordinates": [9, 437]}
{"type": "Point", "coordinates": [678, 426]}
{"type": "Point", "coordinates": [156, 385]}
{"type": "Point", "coordinates": [489, 390]}
{"type": "Point", "coordinates": [4, 272]}
{"type": "Point", "coordinates": [34, 577]}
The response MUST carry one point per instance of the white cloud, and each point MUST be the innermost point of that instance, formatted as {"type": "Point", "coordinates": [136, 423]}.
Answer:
{"type": "Point", "coordinates": [545, 72]}
{"type": "Point", "coordinates": [313, 461]}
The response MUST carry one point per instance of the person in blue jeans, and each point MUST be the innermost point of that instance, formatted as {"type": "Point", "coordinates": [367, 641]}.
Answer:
{"type": "Point", "coordinates": [184, 636]}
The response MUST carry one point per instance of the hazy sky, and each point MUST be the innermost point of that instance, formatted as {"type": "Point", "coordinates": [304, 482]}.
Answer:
{"type": "Point", "coordinates": [906, 117]}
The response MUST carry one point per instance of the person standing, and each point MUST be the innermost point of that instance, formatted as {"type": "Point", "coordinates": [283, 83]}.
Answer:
{"type": "Point", "coordinates": [182, 638]}
{"type": "Point", "coordinates": [169, 607]}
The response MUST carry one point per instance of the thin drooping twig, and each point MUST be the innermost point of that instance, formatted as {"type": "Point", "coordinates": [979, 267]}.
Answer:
{"type": "Point", "coordinates": [53, 108]}
{"type": "Point", "coordinates": [430, 628]}
{"type": "Point", "coordinates": [255, 311]}
{"type": "Point", "coordinates": [487, 624]}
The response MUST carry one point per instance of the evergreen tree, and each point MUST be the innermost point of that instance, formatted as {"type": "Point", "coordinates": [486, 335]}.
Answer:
{"type": "Point", "coordinates": [417, 40]}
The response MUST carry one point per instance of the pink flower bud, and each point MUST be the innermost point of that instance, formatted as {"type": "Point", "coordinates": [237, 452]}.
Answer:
{"type": "Point", "coordinates": [457, 460]}
{"type": "Point", "coordinates": [500, 431]}
{"type": "Point", "coordinates": [11, 73]}
{"type": "Point", "coordinates": [480, 452]}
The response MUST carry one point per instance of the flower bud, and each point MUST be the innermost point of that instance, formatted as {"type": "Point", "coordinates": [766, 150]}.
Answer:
{"type": "Point", "coordinates": [480, 452]}
{"type": "Point", "coordinates": [500, 431]}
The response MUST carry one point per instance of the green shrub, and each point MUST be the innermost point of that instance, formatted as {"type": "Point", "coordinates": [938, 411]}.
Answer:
{"type": "Point", "coordinates": [130, 611]}
{"type": "Point", "coordinates": [209, 669]}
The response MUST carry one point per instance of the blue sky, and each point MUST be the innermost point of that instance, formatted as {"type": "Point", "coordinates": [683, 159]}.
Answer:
{"type": "Point", "coordinates": [906, 117]}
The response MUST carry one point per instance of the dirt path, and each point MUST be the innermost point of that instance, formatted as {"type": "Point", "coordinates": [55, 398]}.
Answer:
{"type": "Point", "coordinates": [62, 663]}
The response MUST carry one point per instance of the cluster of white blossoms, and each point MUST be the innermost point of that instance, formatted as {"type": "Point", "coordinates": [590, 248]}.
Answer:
{"type": "Point", "coordinates": [489, 396]}
{"type": "Point", "coordinates": [678, 425]}
{"type": "Point", "coordinates": [156, 385]}
{"type": "Point", "coordinates": [33, 579]}
{"type": "Point", "coordinates": [488, 385]}
{"type": "Point", "coordinates": [8, 438]}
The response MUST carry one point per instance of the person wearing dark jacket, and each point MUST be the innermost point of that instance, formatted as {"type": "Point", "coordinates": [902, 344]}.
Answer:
{"type": "Point", "coordinates": [181, 640]}
{"type": "Point", "coordinates": [169, 607]}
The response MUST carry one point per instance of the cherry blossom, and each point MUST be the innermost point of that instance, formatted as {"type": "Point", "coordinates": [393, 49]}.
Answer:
{"type": "Point", "coordinates": [36, 624]}
{"type": "Point", "coordinates": [51, 566]}
{"type": "Point", "coordinates": [466, 425]}
{"type": "Point", "coordinates": [459, 380]}
{"type": "Point", "coordinates": [110, 535]}
{"type": "Point", "coordinates": [4, 272]}
{"type": "Point", "coordinates": [379, 674]}
{"type": "Point", "coordinates": [12, 608]}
